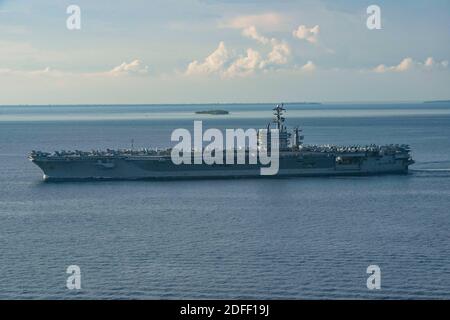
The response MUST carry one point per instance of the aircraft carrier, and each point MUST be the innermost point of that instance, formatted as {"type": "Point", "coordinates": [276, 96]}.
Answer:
{"type": "Point", "coordinates": [295, 159]}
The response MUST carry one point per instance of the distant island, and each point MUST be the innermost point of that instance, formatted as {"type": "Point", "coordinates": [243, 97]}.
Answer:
{"type": "Point", "coordinates": [213, 112]}
{"type": "Point", "coordinates": [437, 101]}
{"type": "Point", "coordinates": [307, 103]}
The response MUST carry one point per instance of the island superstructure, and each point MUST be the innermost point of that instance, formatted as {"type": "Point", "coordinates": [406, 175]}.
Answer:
{"type": "Point", "coordinates": [295, 159]}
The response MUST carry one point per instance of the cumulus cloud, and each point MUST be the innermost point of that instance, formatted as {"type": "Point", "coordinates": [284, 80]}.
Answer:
{"type": "Point", "coordinates": [133, 68]}
{"type": "Point", "coordinates": [309, 34]}
{"type": "Point", "coordinates": [224, 64]}
{"type": "Point", "coordinates": [252, 33]}
{"type": "Point", "coordinates": [404, 65]}
{"type": "Point", "coordinates": [408, 64]}
{"type": "Point", "coordinates": [429, 62]}
{"type": "Point", "coordinates": [308, 67]}
{"type": "Point", "coordinates": [244, 65]}
{"type": "Point", "coordinates": [220, 62]}
{"type": "Point", "coordinates": [280, 53]}
{"type": "Point", "coordinates": [212, 63]}
{"type": "Point", "coordinates": [280, 50]}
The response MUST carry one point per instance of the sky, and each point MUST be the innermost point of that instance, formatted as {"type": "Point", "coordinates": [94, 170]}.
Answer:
{"type": "Point", "coordinates": [217, 51]}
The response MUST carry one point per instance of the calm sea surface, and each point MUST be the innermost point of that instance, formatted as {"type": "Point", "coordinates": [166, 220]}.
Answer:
{"type": "Point", "coordinates": [255, 238]}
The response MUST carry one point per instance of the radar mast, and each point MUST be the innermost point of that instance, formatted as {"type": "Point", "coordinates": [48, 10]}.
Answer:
{"type": "Point", "coordinates": [279, 119]}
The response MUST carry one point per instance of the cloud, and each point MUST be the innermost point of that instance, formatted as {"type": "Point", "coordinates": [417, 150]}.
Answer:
{"type": "Point", "coordinates": [252, 33]}
{"type": "Point", "coordinates": [132, 68]}
{"type": "Point", "coordinates": [280, 53]}
{"type": "Point", "coordinates": [221, 62]}
{"type": "Point", "coordinates": [253, 61]}
{"type": "Point", "coordinates": [244, 65]}
{"type": "Point", "coordinates": [431, 63]}
{"type": "Point", "coordinates": [270, 20]}
{"type": "Point", "coordinates": [405, 65]}
{"type": "Point", "coordinates": [212, 64]}
{"type": "Point", "coordinates": [309, 34]}
{"type": "Point", "coordinates": [408, 63]}
{"type": "Point", "coordinates": [308, 67]}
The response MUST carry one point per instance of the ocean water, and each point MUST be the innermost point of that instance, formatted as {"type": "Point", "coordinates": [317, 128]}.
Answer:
{"type": "Point", "coordinates": [293, 238]}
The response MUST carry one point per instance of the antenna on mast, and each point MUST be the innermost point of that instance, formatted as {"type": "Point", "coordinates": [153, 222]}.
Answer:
{"type": "Point", "coordinates": [279, 119]}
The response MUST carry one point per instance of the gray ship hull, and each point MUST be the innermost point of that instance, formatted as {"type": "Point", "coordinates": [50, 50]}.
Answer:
{"type": "Point", "coordinates": [161, 167]}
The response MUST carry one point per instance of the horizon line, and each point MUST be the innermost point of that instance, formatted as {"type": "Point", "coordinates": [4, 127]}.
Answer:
{"type": "Point", "coordinates": [228, 103]}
